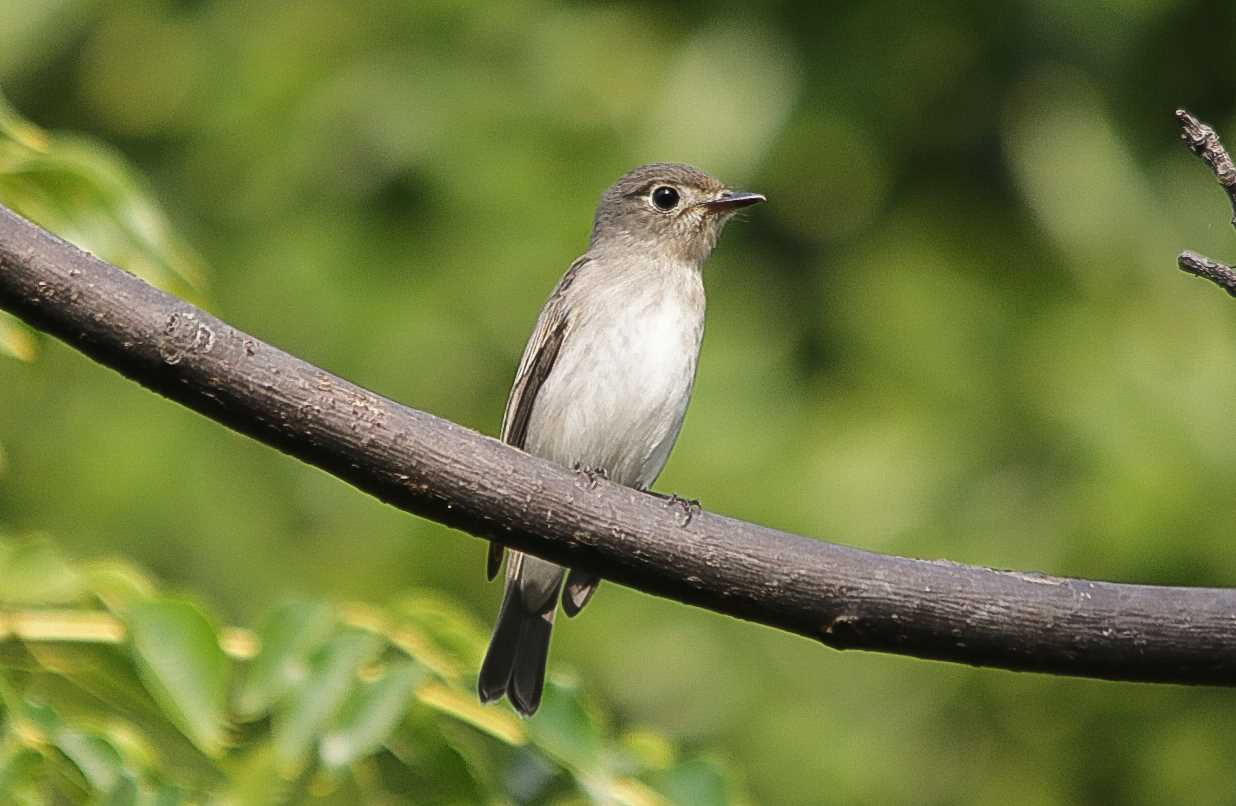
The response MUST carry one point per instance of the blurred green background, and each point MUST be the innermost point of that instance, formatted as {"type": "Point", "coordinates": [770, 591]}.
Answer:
{"type": "Point", "coordinates": [955, 331]}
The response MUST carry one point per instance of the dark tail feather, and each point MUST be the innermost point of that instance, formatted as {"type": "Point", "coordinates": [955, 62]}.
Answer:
{"type": "Point", "coordinates": [515, 662]}
{"type": "Point", "coordinates": [528, 674]}
{"type": "Point", "coordinates": [578, 590]}
{"type": "Point", "coordinates": [500, 657]}
{"type": "Point", "coordinates": [493, 561]}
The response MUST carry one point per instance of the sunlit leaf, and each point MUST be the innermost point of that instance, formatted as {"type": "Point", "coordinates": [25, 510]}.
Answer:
{"type": "Point", "coordinates": [139, 750]}
{"type": "Point", "coordinates": [648, 749]}
{"type": "Point", "coordinates": [531, 776]}
{"type": "Point", "coordinates": [125, 793]}
{"type": "Point", "coordinates": [287, 637]}
{"type": "Point", "coordinates": [83, 191]}
{"type": "Point", "coordinates": [167, 795]}
{"type": "Point", "coordinates": [694, 781]}
{"type": "Point", "coordinates": [88, 677]}
{"type": "Point", "coordinates": [17, 340]}
{"type": "Point", "coordinates": [565, 728]}
{"type": "Point", "coordinates": [370, 715]}
{"type": "Point", "coordinates": [94, 756]}
{"type": "Point", "coordinates": [117, 583]}
{"type": "Point", "coordinates": [404, 634]}
{"type": "Point", "coordinates": [447, 761]}
{"type": "Point", "coordinates": [19, 767]}
{"type": "Point", "coordinates": [254, 780]}
{"type": "Point", "coordinates": [103, 671]}
{"type": "Point", "coordinates": [180, 662]}
{"type": "Point", "coordinates": [20, 131]}
{"type": "Point", "coordinates": [307, 711]}
{"type": "Point", "coordinates": [108, 720]}
{"type": "Point", "coordinates": [630, 792]}
{"type": "Point", "coordinates": [501, 724]}
{"type": "Point", "coordinates": [46, 625]}
{"type": "Point", "coordinates": [452, 628]}
{"type": "Point", "coordinates": [36, 573]}
{"type": "Point", "coordinates": [329, 789]}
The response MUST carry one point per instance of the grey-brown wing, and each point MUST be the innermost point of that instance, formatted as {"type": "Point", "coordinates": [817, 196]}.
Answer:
{"type": "Point", "coordinates": [537, 362]}
{"type": "Point", "coordinates": [519, 410]}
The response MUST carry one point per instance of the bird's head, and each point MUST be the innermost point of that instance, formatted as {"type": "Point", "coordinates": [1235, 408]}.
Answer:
{"type": "Point", "coordinates": [667, 210]}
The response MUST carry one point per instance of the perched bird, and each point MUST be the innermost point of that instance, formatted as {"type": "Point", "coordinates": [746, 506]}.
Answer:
{"type": "Point", "coordinates": [605, 381]}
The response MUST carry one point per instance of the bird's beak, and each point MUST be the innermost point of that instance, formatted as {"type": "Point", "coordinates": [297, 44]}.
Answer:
{"type": "Point", "coordinates": [732, 200]}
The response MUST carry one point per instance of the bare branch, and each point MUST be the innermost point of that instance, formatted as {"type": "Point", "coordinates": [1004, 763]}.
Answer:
{"type": "Point", "coordinates": [1204, 142]}
{"type": "Point", "coordinates": [843, 597]}
{"type": "Point", "coordinates": [1218, 273]}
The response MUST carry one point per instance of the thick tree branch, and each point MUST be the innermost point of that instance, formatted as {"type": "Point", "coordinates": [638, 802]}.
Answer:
{"type": "Point", "coordinates": [1203, 141]}
{"type": "Point", "coordinates": [841, 596]}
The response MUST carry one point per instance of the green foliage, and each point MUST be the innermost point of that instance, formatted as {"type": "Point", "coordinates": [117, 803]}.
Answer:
{"type": "Point", "coordinates": [149, 702]}
{"type": "Point", "coordinates": [178, 658]}
{"type": "Point", "coordinates": [85, 193]}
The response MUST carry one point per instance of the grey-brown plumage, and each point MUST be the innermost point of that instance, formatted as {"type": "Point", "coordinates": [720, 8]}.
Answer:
{"type": "Point", "coordinates": [605, 381]}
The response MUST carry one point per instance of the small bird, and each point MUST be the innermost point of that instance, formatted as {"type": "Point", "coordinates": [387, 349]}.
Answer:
{"type": "Point", "coordinates": [604, 383]}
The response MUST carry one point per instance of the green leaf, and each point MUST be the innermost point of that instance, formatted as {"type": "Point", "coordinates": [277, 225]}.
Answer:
{"type": "Point", "coordinates": [179, 660]}
{"type": "Point", "coordinates": [36, 573]}
{"type": "Point", "coordinates": [441, 760]}
{"type": "Point", "coordinates": [370, 716]}
{"type": "Point", "coordinates": [98, 687]}
{"type": "Point", "coordinates": [168, 795]}
{"type": "Point", "coordinates": [21, 132]}
{"type": "Point", "coordinates": [103, 671]}
{"type": "Point", "coordinates": [85, 192]}
{"type": "Point", "coordinates": [311, 706]}
{"type": "Point", "coordinates": [118, 583]}
{"type": "Point", "coordinates": [449, 626]}
{"type": "Point", "coordinates": [19, 767]}
{"type": "Point", "coordinates": [565, 728]}
{"type": "Point", "coordinates": [125, 793]}
{"type": "Point", "coordinates": [531, 776]}
{"type": "Point", "coordinates": [144, 722]}
{"type": "Point", "coordinates": [697, 780]}
{"type": "Point", "coordinates": [97, 759]}
{"type": "Point", "coordinates": [39, 714]}
{"type": "Point", "coordinates": [288, 636]}
{"type": "Point", "coordinates": [645, 749]}
{"type": "Point", "coordinates": [17, 340]}
{"type": "Point", "coordinates": [501, 723]}
{"type": "Point", "coordinates": [253, 779]}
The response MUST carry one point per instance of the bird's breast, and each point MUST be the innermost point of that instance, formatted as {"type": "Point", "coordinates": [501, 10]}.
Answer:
{"type": "Point", "coordinates": [616, 397]}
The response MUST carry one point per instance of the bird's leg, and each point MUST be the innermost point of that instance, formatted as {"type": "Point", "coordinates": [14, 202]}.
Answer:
{"type": "Point", "coordinates": [591, 474]}
{"type": "Point", "coordinates": [686, 506]}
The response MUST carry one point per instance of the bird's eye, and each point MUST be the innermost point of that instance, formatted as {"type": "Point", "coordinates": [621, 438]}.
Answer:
{"type": "Point", "coordinates": [665, 198]}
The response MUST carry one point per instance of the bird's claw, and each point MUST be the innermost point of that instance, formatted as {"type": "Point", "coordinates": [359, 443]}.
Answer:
{"type": "Point", "coordinates": [591, 474]}
{"type": "Point", "coordinates": [687, 507]}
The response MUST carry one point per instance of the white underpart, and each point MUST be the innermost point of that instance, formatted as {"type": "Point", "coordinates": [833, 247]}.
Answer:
{"type": "Point", "coordinates": [617, 395]}
{"type": "Point", "coordinates": [619, 390]}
